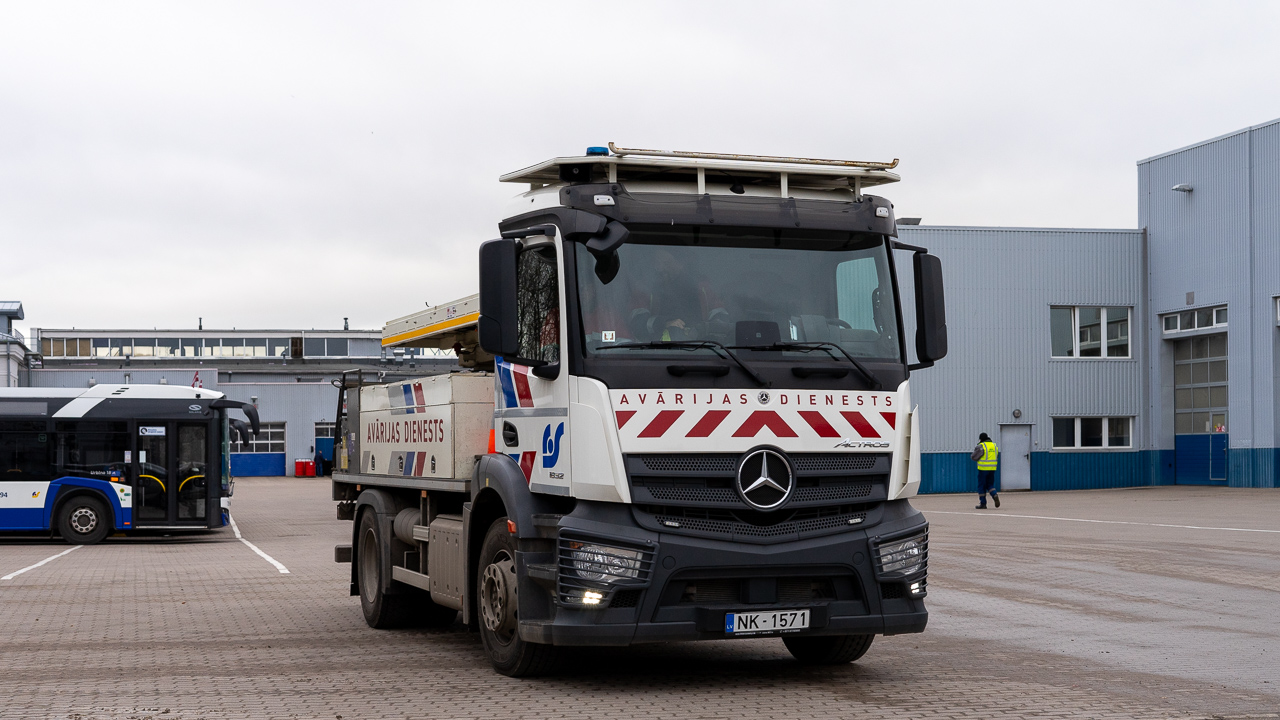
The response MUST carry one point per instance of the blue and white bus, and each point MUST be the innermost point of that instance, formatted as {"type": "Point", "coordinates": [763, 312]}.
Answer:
{"type": "Point", "coordinates": [116, 458]}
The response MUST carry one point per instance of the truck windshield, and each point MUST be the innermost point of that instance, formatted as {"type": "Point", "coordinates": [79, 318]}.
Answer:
{"type": "Point", "coordinates": [741, 287]}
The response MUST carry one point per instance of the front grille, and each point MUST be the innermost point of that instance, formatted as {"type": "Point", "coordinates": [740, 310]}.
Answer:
{"type": "Point", "coordinates": [892, 591]}
{"type": "Point", "coordinates": [729, 591]}
{"type": "Point", "coordinates": [834, 463]}
{"type": "Point", "coordinates": [690, 463]}
{"type": "Point", "coordinates": [751, 527]}
{"type": "Point", "coordinates": [626, 599]}
{"type": "Point", "coordinates": [689, 493]}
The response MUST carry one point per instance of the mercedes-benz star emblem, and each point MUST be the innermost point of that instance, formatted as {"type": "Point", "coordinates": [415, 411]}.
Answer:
{"type": "Point", "coordinates": [764, 479]}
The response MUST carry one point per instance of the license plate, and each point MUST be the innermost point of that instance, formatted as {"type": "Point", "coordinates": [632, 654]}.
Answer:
{"type": "Point", "coordinates": [774, 621]}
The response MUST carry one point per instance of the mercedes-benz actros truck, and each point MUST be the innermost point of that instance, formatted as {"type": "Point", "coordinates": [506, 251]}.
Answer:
{"type": "Point", "coordinates": [683, 413]}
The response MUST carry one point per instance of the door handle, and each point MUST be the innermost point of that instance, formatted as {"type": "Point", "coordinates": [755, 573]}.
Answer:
{"type": "Point", "coordinates": [1027, 456]}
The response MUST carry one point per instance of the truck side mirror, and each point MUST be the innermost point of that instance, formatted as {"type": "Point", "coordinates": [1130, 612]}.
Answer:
{"type": "Point", "coordinates": [931, 315]}
{"type": "Point", "coordinates": [498, 325]}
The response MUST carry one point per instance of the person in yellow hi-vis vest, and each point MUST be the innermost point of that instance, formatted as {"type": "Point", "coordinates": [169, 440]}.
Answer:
{"type": "Point", "coordinates": [988, 457]}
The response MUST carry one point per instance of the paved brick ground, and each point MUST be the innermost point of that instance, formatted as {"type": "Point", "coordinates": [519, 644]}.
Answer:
{"type": "Point", "coordinates": [1031, 617]}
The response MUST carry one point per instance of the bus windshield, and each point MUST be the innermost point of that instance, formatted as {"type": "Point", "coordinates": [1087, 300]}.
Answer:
{"type": "Point", "coordinates": [741, 287]}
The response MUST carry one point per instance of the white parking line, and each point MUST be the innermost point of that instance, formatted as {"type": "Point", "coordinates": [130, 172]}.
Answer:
{"type": "Point", "coordinates": [51, 558]}
{"type": "Point", "coordinates": [252, 547]}
{"type": "Point", "coordinates": [1104, 522]}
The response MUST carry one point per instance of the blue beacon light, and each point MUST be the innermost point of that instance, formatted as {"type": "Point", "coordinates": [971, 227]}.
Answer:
{"type": "Point", "coordinates": [595, 150]}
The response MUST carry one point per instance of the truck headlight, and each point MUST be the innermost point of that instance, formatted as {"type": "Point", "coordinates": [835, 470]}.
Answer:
{"type": "Point", "coordinates": [903, 557]}
{"type": "Point", "coordinates": [589, 572]}
{"type": "Point", "coordinates": [603, 563]}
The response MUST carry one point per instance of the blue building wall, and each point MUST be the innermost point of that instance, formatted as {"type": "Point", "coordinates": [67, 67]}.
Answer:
{"type": "Point", "coordinates": [258, 465]}
{"type": "Point", "coordinates": [956, 473]}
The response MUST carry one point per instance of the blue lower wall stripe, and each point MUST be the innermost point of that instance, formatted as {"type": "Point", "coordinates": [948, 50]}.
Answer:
{"type": "Point", "coordinates": [955, 472]}
{"type": "Point", "coordinates": [257, 464]}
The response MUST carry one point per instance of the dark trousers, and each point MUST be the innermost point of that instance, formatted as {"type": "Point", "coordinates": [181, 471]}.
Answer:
{"type": "Point", "coordinates": [986, 484]}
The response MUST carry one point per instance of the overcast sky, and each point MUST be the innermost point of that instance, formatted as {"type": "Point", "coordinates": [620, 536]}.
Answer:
{"type": "Point", "coordinates": [290, 164]}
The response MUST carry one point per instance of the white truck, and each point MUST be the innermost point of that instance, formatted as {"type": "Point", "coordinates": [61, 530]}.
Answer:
{"type": "Point", "coordinates": [684, 414]}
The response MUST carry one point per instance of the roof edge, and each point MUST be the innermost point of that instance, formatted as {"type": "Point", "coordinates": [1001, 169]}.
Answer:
{"type": "Point", "coordinates": [1211, 140]}
{"type": "Point", "coordinates": [995, 228]}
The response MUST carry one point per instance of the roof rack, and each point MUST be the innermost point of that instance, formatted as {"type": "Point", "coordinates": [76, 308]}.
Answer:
{"type": "Point", "coordinates": [697, 172]}
{"type": "Point", "coordinates": [754, 158]}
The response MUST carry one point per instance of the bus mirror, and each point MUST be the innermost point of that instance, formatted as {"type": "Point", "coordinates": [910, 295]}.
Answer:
{"type": "Point", "coordinates": [242, 430]}
{"type": "Point", "coordinates": [931, 316]}
{"type": "Point", "coordinates": [497, 325]}
{"type": "Point", "coordinates": [248, 409]}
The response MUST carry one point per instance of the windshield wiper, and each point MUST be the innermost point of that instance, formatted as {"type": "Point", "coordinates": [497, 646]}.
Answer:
{"type": "Point", "coordinates": [870, 376]}
{"type": "Point", "coordinates": [692, 344]}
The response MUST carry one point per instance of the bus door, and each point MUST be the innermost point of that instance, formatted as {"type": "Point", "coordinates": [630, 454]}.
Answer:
{"type": "Point", "coordinates": [171, 485]}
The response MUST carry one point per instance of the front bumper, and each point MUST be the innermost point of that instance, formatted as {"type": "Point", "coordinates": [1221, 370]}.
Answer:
{"type": "Point", "coordinates": [847, 596]}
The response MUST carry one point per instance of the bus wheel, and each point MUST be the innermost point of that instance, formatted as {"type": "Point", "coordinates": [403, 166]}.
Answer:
{"type": "Point", "coordinates": [828, 650]}
{"type": "Point", "coordinates": [381, 611]}
{"type": "Point", "coordinates": [496, 603]}
{"type": "Point", "coordinates": [83, 520]}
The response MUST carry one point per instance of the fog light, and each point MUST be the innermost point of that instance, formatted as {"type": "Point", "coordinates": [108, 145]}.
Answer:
{"type": "Point", "coordinates": [591, 597]}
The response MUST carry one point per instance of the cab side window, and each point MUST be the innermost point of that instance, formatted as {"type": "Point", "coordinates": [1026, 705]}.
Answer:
{"type": "Point", "coordinates": [538, 304]}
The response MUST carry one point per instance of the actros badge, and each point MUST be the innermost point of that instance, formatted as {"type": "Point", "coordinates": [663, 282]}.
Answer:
{"type": "Point", "coordinates": [764, 479]}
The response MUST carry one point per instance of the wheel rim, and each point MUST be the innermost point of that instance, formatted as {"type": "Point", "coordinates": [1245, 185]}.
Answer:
{"type": "Point", "coordinates": [83, 520]}
{"type": "Point", "coordinates": [368, 566]}
{"type": "Point", "coordinates": [498, 597]}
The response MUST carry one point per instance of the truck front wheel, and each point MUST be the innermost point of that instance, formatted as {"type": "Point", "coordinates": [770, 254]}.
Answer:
{"type": "Point", "coordinates": [828, 650]}
{"type": "Point", "coordinates": [496, 601]}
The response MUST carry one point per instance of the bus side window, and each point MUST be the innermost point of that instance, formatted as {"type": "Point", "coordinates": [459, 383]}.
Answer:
{"type": "Point", "coordinates": [25, 451]}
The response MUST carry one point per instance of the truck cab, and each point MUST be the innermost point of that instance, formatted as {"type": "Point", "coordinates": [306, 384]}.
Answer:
{"type": "Point", "coordinates": [701, 417]}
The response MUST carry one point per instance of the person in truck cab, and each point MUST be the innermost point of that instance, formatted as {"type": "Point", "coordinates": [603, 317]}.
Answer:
{"type": "Point", "coordinates": [678, 303]}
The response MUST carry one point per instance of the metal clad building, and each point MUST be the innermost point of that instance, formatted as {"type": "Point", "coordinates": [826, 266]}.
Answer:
{"type": "Point", "coordinates": [1212, 212]}
{"type": "Point", "coordinates": [1000, 376]}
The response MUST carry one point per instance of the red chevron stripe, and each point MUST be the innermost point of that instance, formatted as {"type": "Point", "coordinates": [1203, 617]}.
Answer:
{"type": "Point", "coordinates": [708, 423]}
{"type": "Point", "coordinates": [520, 374]}
{"type": "Point", "coordinates": [623, 416]}
{"type": "Point", "coordinates": [819, 424]}
{"type": "Point", "coordinates": [891, 418]}
{"type": "Point", "coordinates": [660, 424]}
{"type": "Point", "coordinates": [418, 463]}
{"type": "Point", "coordinates": [860, 424]}
{"type": "Point", "coordinates": [765, 419]}
{"type": "Point", "coordinates": [526, 464]}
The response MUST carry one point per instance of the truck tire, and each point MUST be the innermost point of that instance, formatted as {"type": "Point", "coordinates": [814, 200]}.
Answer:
{"type": "Point", "coordinates": [83, 520]}
{"type": "Point", "coordinates": [381, 611]}
{"type": "Point", "coordinates": [829, 649]}
{"type": "Point", "coordinates": [496, 605]}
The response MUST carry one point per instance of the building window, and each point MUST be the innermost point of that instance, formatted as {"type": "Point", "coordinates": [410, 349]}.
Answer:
{"type": "Point", "coordinates": [1089, 332]}
{"type": "Point", "coordinates": [1086, 433]}
{"type": "Point", "coordinates": [270, 440]}
{"type": "Point", "coordinates": [1214, 317]}
{"type": "Point", "coordinates": [313, 347]}
{"type": "Point", "coordinates": [324, 430]}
